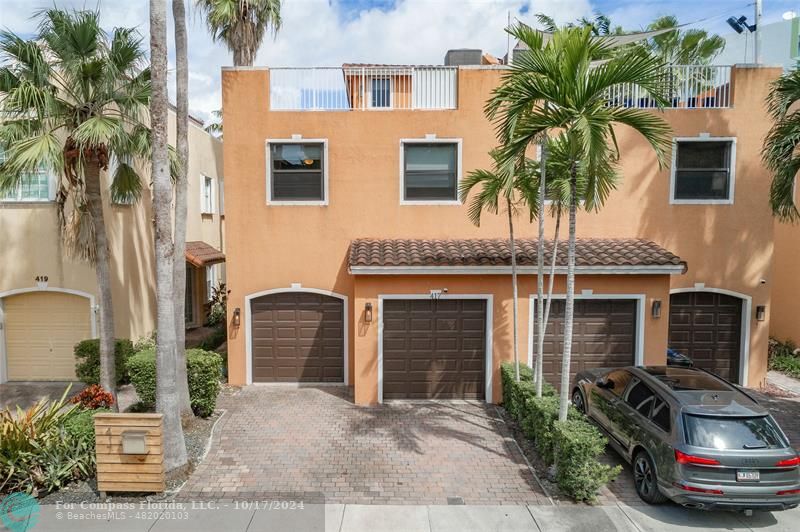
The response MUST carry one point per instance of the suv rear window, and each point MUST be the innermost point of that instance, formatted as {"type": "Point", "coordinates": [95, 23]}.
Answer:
{"type": "Point", "coordinates": [733, 432]}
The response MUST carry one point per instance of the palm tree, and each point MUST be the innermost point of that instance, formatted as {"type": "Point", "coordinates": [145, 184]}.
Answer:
{"type": "Point", "coordinates": [683, 47]}
{"type": "Point", "coordinates": [182, 148]}
{"type": "Point", "coordinates": [73, 97]}
{"type": "Point", "coordinates": [566, 75]}
{"type": "Point", "coordinates": [215, 126]}
{"type": "Point", "coordinates": [508, 186]}
{"type": "Point", "coordinates": [166, 386]}
{"type": "Point", "coordinates": [780, 152]}
{"type": "Point", "coordinates": [241, 24]}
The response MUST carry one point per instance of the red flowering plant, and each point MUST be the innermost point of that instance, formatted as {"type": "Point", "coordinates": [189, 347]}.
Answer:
{"type": "Point", "coordinates": [94, 397]}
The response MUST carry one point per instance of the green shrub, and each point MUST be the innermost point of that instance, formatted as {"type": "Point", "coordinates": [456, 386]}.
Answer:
{"type": "Point", "coordinates": [788, 364]}
{"type": "Point", "coordinates": [37, 451]}
{"type": "Point", "coordinates": [145, 342]}
{"type": "Point", "coordinates": [203, 369]}
{"type": "Point", "coordinates": [214, 340]}
{"type": "Point", "coordinates": [541, 414]}
{"type": "Point", "coordinates": [514, 393]}
{"type": "Point", "coordinates": [87, 364]}
{"type": "Point", "coordinates": [578, 473]}
{"type": "Point", "coordinates": [81, 425]}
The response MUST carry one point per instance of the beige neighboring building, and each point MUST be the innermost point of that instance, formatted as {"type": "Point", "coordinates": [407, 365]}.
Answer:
{"type": "Point", "coordinates": [48, 301]}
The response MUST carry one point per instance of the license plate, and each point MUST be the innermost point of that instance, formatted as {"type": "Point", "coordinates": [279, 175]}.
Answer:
{"type": "Point", "coordinates": [748, 476]}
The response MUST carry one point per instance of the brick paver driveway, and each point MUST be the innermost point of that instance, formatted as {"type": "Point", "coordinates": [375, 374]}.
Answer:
{"type": "Point", "coordinates": [277, 440]}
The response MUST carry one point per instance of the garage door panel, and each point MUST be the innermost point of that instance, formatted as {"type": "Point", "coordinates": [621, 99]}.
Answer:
{"type": "Point", "coordinates": [41, 330]}
{"type": "Point", "coordinates": [440, 351]}
{"type": "Point", "coordinates": [298, 337]}
{"type": "Point", "coordinates": [604, 335]}
{"type": "Point", "coordinates": [706, 326]}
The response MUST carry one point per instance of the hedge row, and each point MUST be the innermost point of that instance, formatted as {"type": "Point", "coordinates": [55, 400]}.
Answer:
{"type": "Point", "coordinates": [572, 445]}
{"type": "Point", "coordinates": [203, 368]}
{"type": "Point", "coordinates": [87, 360]}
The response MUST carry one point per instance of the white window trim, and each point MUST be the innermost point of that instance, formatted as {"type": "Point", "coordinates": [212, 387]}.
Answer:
{"type": "Point", "coordinates": [325, 177]}
{"type": "Point", "coordinates": [732, 174]}
{"type": "Point", "coordinates": [391, 93]}
{"type": "Point", "coordinates": [207, 209]}
{"type": "Point", "coordinates": [211, 281]}
{"type": "Point", "coordinates": [459, 144]}
{"type": "Point", "coordinates": [641, 303]}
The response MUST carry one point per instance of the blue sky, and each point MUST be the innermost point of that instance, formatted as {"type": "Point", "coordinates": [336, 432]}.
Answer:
{"type": "Point", "coordinates": [330, 32]}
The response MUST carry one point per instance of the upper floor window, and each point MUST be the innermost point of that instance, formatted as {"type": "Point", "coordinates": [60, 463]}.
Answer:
{"type": "Point", "coordinates": [381, 92]}
{"type": "Point", "coordinates": [221, 186]}
{"type": "Point", "coordinates": [207, 195]}
{"type": "Point", "coordinates": [30, 187]}
{"type": "Point", "coordinates": [703, 170]}
{"type": "Point", "coordinates": [430, 171]}
{"type": "Point", "coordinates": [297, 172]}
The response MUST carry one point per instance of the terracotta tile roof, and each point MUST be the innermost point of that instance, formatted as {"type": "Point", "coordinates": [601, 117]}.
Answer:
{"type": "Point", "coordinates": [201, 254]}
{"type": "Point", "coordinates": [592, 252]}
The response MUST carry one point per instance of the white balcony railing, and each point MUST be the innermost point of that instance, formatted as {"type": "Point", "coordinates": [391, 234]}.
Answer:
{"type": "Point", "coordinates": [363, 88]}
{"type": "Point", "coordinates": [688, 87]}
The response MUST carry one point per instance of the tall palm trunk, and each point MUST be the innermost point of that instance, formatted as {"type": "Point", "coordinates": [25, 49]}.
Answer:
{"type": "Point", "coordinates": [537, 376]}
{"type": "Point", "coordinates": [242, 57]}
{"type": "Point", "coordinates": [102, 268]}
{"type": "Point", "coordinates": [513, 283]}
{"type": "Point", "coordinates": [181, 184]}
{"type": "Point", "coordinates": [570, 303]}
{"type": "Point", "coordinates": [549, 303]}
{"type": "Point", "coordinates": [166, 387]}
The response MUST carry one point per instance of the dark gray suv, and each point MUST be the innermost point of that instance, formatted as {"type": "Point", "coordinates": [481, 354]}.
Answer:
{"type": "Point", "coordinates": [692, 437]}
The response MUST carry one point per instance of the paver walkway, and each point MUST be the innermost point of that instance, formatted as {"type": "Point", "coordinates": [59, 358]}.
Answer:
{"type": "Point", "coordinates": [284, 440]}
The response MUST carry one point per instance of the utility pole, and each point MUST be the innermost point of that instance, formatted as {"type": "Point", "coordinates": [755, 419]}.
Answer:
{"type": "Point", "coordinates": [757, 35]}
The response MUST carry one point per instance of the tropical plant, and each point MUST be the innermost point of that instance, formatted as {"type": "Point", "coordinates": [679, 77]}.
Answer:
{"type": "Point", "coordinates": [215, 126]}
{"type": "Point", "coordinates": [683, 47]}
{"type": "Point", "coordinates": [241, 24]}
{"type": "Point", "coordinates": [781, 152]}
{"type": "Point", "coordinates": [94, 397]}
{"type": "Point", "coordinates": [562, 86]}
{"type": "Point", "coordinates": [72, 98]}
{"type": "Point", "coordinates": [167, 396]}
{"type": "Point", "coordinates": [508, 187]}
{"type": "Point", "coordinates": [181, 185]}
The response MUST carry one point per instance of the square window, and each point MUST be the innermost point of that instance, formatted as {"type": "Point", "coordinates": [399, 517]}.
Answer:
{"type": "Point", "coordinates": [297, 172]}
{"type": "Point", "coordinates": [702, 171]}
{"type": "Point", "coordinates": [430, 171]}
{"type": "Point", "coordinates": [381, 92]}
{"type": "Point", "coordinates": [31, 186]}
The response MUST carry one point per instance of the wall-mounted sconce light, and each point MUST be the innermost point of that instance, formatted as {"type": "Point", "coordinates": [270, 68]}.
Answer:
{"type": "Point", "coordinates": [237, 317]}
{"type": "Point", "coordinates": [761, 313]}
{"type": "Point", "coordinates": [655, 310]}
{"type": "Point", "coordinates": [368, 313]}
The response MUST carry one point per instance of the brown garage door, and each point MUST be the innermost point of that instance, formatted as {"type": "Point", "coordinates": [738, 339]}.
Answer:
{"type": "Point", "coordinates": [707, 327]}
{"type": "Point", "coordinates": [604, 336]}
{"type": "Point", "coordinates": [434, 349]}
{"type": "Point", "coordinates": [297, 337]}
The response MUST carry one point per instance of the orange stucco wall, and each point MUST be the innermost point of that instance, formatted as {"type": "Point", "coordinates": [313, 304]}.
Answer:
{"type": "Point", "coordinates": [785, 315]}
{"type": "Point", "coordinates": [727, 247]}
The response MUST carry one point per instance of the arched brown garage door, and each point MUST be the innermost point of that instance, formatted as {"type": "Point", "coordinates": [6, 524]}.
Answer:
{"type": "Point", "coordinates": [434, 349]}
{"type": "Point", "coordinates": [603, 336]}
{"type": "Point", "coordinates": [297, 337]}
{"type": "Point", "coordinates": [707, 327]}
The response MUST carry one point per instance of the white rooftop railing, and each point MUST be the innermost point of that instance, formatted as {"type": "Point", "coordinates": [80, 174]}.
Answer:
{"type": "Point", "coordinates": [363, 88]}
{"type": "Point", "coordinates": [688, 87]}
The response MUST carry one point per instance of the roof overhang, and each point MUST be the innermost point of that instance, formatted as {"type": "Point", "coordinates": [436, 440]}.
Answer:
{"type": "Point", "coordinates": [523, 270]}
{"type": "Point", "coordinates": [200, 254]}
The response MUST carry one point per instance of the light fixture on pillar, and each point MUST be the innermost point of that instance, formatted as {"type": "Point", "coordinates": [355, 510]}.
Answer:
{"type": "Point", "coordinates": [237, 317]}
{"type": "Point", "coordinates": [761, 313]}
{"type": "Point", "coordinates": [368, 313]}
{"type": "Point", "coordinates": [655, 310]}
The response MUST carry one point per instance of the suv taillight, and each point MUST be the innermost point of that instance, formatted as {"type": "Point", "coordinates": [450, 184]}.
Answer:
{"type": "Point", "coordinates": [789, 462]}
{"type": "Point", "coordinates": [683, 458]}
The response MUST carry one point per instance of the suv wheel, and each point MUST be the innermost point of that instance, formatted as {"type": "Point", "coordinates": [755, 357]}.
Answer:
{"type": "Point", "coordinates": [578, 402]}
{"type": "Point", "coordinates": [645, 480]}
